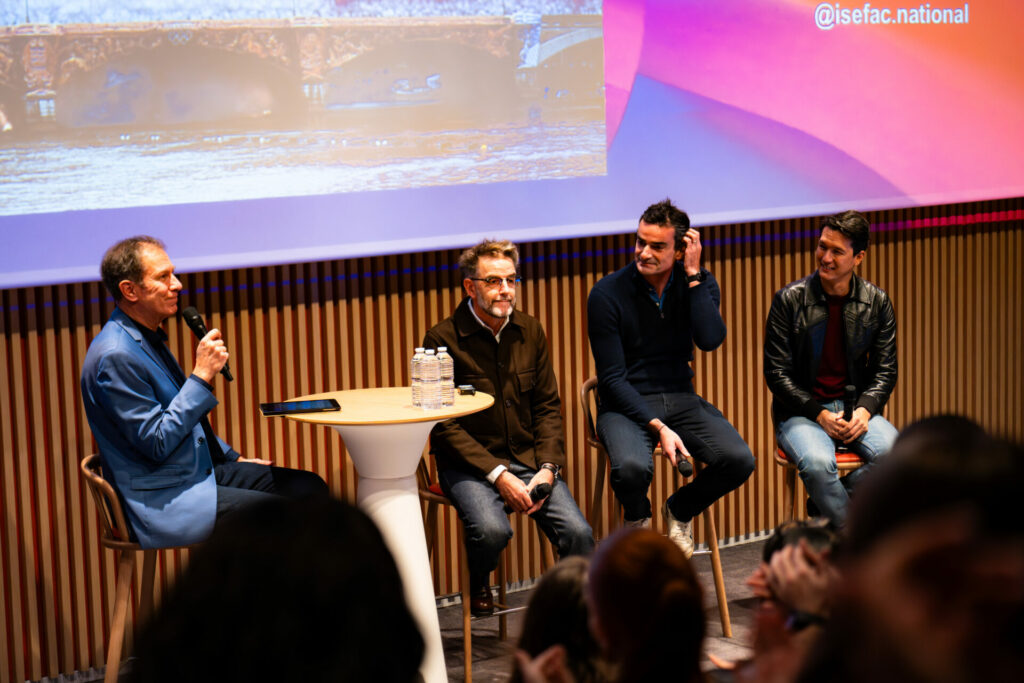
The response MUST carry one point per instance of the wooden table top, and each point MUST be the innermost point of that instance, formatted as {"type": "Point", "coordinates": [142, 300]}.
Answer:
{"type": "Point", "coordinates": [387, 405]}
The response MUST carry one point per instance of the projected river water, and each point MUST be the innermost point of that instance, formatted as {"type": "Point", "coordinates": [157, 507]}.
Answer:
{"type": "Point", "coordinates": [99, 172]}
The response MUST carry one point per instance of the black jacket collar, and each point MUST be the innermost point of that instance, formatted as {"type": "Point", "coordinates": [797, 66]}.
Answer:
{"type": "Point", "coordinates": [815, 293]}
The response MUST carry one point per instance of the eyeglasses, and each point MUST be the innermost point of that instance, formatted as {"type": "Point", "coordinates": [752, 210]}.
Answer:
{"type": "Point", "coordinates": [495, 282]}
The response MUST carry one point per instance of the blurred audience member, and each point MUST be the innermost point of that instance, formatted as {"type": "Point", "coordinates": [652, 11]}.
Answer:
{"type": "Point", "coordinates": [797, 573]}
{"type": "Point", "coordinates": [933, 569]}
{"type": "Point", "coordinates": [558, 615]}
{"type": "Point", "coordinates": [646, 611]}
{"type": "Point", "coordinates": [285, 590]}
{"type": "Point", "coordinates": [930, 582]}
{"type": "Point", "coordinates": [796, 581]}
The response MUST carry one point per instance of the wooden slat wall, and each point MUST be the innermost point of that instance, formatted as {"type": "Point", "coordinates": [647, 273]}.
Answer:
{"type": "Point", "coordinates": [951, 271]}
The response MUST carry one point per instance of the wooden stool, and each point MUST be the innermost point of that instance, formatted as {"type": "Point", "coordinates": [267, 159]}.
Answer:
{"type": "Point", "coordinates": [433, 496]}
{"type": "Point", "coordinates": [116, 537]}
{"type": "Point", "coordinates": [588, 393]}
{"type": "Point", "coordinates": [846, 461]}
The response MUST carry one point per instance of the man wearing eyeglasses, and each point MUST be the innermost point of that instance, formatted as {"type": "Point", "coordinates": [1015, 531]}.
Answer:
{"type": "Point", "coordinates": [489, 462]}
{"type": "Point", "coordinates": [643, 322]}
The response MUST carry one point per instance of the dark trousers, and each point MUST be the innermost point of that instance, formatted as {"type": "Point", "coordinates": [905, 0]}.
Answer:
{"type": "Point", "coordinates": [240, 484]}
{"type": "Point", "coordinates": [708, 436]}
{"type": "Point", "coordinates": [486, 526]}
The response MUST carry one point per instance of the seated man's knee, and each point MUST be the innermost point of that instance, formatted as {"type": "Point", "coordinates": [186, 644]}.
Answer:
{"type": "Point", "coordinates": [815, 461]}
{"type": "Point", "coordinates": [741, 462]}
{"type": "Point", "coordinates": [736, 463]}
{"type": "Point", "coordinates": [745, 467]}
{"type": "Point", "coordinates": [492, 535]}
{"type": "Point", "coordinates": [632, 474]}
{"type": "Point", "coordinates": [312, 484]}
{"type": "Point", "coordinates": [579, 539]}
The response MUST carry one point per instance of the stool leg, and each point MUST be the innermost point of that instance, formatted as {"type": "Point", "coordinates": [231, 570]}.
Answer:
{"type": "Point", "coordinates": [547, 557]}
{"type": "Point", "coordinates": [789, 492]}
{"type": "Point", "coordinates": [716, 570]}
{"type": "Point", "coordinates": [122, 597]}
{"type": "Point", "coordinates": [146, 590]}
{"type": "Point", "coordinates": [467, 631]}
{"type": "Point", "coordinates": [502, 599]}
{"type": "Point", "coordinates": [430, 528]}
{"type": "Point", "coordinates": [596, 516]}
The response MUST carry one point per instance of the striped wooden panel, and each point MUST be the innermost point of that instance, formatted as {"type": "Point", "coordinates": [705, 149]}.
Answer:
{"type": "Point", "coordinates": [344, 324]}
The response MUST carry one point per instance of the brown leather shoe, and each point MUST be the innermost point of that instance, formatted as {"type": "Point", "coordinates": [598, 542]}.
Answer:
{"type": "Point", "coordinates": [481, 602]}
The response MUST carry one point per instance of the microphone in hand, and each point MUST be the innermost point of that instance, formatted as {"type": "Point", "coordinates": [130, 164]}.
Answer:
{"type": "Point", "coordinates": [537, 493]}
{"type": "Point", "coordinates": [198, 327]}
{"type": "Point", "coordinates": [849, 398]}
{"type": "Point", "coordinates": [684, 465]}
{"type": "Point", "coordinates": [540, 491]}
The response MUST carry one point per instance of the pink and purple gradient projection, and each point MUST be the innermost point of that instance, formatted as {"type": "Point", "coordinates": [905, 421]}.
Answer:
{"type": "Point", "coordinates": [762, 110]}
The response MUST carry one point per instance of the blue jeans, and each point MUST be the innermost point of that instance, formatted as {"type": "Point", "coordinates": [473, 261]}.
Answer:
{"type": "Point", "coordinates": [707, 435]}
{"type": "Point", "coordinates": [486, 526]}
{"type": "Point", "coordinates": [814, 453]}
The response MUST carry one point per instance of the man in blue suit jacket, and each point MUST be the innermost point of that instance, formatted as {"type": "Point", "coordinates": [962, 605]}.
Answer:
{"type": "Point", "coordinates": [158, 450]}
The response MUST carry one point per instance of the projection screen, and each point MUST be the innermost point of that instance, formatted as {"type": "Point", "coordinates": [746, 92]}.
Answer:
{"type": "Point", "coordinates": [249, 132]}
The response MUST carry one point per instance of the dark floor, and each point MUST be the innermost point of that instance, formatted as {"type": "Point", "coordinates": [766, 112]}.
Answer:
{"type": "Point", "coordinates": [492, 658]}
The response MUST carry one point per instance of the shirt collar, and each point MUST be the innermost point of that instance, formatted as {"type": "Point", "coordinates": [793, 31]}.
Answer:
{"type": "Point", "coordinates": [641, 281]}
{"type": "Point", "coordinates": [497, 337]}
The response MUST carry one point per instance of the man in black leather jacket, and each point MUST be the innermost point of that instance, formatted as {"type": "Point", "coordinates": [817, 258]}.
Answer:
{"type": "Point", "coordinates": [825, 332]}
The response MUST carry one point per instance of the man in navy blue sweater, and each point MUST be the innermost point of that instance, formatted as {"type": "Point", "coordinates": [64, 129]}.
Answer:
{"type": "Point", "coordinates": [643, 322]}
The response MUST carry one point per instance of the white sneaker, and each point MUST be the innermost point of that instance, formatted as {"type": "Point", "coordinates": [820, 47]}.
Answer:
{"type": "Point", "coordinates": [680, 533]}
{"type": "Point", "coordinates": [644, 523]}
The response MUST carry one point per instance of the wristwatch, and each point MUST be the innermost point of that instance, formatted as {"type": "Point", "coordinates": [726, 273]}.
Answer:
{"type": "Point", "coordinates": [700, 276]}
{"type": "Point", "coordinates": [554, 469]}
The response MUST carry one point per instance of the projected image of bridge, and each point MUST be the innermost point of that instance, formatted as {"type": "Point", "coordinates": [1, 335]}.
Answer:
{"type": "Point", "coordinates": [157, 108]}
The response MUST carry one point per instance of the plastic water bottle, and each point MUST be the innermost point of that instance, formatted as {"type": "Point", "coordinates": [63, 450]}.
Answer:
{"type": "Point", "coordinates": [416, 377]}
{"type": "Point", "coordinates": [447, 376]}
{"type": "Point", "coordinates": [431, 378]}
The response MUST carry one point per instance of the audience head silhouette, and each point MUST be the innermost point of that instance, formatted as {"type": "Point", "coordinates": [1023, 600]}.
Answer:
{"type": "Point", "coordinates": [558, 615]}
{"type": "Point", "coordinates": [933, 566]}
{"type": "Point", "coordinates": [287, 590]}
{"type": "Point", "coordinates": [646, 607]}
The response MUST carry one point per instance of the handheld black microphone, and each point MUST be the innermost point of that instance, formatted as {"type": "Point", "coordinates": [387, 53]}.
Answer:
{"type": "Point", "coordinates": [540, 491]}
{"type": "Point", "coordinates": [849, 398]}
{"type": "Point", "coordinates": [684, 465]}
{"type": "Point", "coordinates": [198, 327]}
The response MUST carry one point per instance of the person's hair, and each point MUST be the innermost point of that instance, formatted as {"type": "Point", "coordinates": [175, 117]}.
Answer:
{"type": "Point", "coordinates": [666, 215]}
{"type": "Point", "coordinates": [819, 536]}
{"type": "Point", "coordinates": [469, 259]}
{"type": "Point", "coordinates": [941, 470]}
{"type": "Point", "coordinates": [123, 262]}
{"type": "Point", "coordinates": [938, 463]}
{"type": "Point", "coordinates": [558, 615]}
{"type": "Point", "coordinates": [648, 606]}
{"type": "Point", "coordinates": [286, 590]}
{"type": "Point", "coordinates": [853, 225]}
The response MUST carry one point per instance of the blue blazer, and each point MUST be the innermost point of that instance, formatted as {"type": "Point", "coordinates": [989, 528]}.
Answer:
{"type": "Point", "coordinates": [151, 442]}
